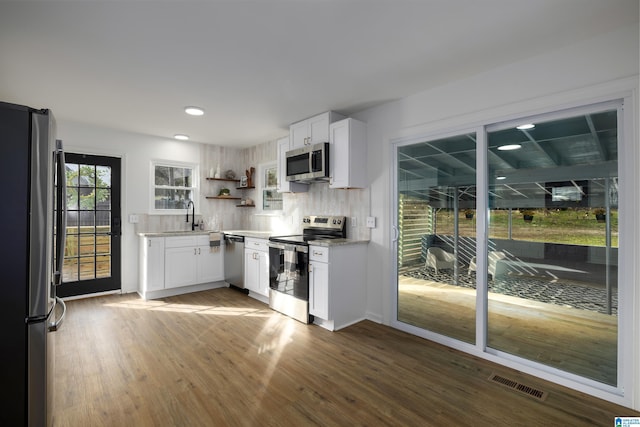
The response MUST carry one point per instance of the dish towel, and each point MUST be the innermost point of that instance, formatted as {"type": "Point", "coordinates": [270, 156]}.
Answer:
{"type": "Point", "coordinates": [214, 242]}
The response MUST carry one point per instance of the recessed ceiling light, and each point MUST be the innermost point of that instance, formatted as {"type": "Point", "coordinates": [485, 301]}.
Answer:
{"type": "Point", "coordinates": [500, 177]}
{"type": "Point", "coordinates": [181, 137]}
{"type": "Point", "coordinates": [509, 147]}
{"type": "Point", "coordinates": [194, 111]}
{"type": "Point", "coordinates": [526, 126]}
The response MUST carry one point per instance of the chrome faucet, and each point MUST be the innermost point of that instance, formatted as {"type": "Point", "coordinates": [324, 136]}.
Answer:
{"type": "Point", "coordinates": [193, 214]}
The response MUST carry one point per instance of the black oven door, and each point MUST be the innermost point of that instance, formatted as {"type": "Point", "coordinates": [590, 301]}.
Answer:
{"type": "Point", "coordinates": [289, 270]}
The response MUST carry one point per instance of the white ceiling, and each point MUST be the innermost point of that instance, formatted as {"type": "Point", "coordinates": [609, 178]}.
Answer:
{"type": "Point", "coordinates": [257, 66]}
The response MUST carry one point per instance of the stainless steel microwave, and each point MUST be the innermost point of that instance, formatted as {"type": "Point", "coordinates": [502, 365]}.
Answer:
{"type": "Point", "coordinates": [308, 163]}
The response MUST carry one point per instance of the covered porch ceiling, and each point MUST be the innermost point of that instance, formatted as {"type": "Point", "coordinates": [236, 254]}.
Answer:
{"type": "Point", "coordinates": [578, 152]}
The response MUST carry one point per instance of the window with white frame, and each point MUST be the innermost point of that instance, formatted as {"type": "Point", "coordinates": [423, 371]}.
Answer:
{"type": "Point", "coordinates": [173, 185]}
{"type": "Point", "coordinates": [271, 198]}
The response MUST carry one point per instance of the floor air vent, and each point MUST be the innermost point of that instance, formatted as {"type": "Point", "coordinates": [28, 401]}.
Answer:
{"type": "Point", "coordinates": [522, 388]}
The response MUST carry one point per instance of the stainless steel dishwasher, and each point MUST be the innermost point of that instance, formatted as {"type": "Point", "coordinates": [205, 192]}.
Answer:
{"type": "Point", "coordinates": [234, 260]}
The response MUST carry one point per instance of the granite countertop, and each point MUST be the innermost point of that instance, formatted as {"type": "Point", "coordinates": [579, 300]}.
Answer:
{"type": "Point", "coordinates": [176, 233]}
{"type": "Point", "coordinates": [256, 234]}
{"type": "Point", "coordinates": [336, 242]}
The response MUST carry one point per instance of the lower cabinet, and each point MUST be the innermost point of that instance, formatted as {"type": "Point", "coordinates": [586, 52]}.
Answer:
{"type": "Point", "coordinates": [173, 265]}
{"type": "Point", "coordinates": [256, 267]}
{"type": "Point", "coordinates": [337, 292]}
{"type": "Point", "coordinates": [151, 264]}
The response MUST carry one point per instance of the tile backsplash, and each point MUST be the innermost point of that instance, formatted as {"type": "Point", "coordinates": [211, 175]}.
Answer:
{"type": "Point", "coordinates": [225, 215]}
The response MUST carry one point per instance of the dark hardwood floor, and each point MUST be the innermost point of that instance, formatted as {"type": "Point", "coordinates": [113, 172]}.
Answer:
{"type": "Point", "coordinates": [220, 358]}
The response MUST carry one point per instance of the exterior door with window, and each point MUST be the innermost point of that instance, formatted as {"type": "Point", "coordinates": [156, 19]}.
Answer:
{"type": "Point", "coordinates": [92, 252]}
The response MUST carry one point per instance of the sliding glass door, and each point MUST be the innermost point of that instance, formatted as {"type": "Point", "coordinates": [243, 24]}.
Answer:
{"type": "Point", "coordinates": [543, 285]}
{"type": "Point", "coordinates": [553, 242]}
{"type": "Point", "coordinates": [437, 228]}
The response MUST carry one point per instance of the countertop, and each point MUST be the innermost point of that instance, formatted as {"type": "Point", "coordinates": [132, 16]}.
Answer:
{"type": "Point", "coordinates": [336, 242]}
{"type": "Point", "coordinates": [250, 233]}
{"type": "Point", "coordinates": [176, 233]}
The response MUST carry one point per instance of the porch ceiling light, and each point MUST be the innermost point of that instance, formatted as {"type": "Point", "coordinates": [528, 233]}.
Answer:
{"type": "Point", "coordinates": [181, 137]}
{"type": "Point", "coordinates": [526, 126]}
{"type": "Point", "coordinates": [510, 147]}
{"type": "Point", "coordinates": [194, 111]}
{"type": "Point", "coordinates": [501, 177]}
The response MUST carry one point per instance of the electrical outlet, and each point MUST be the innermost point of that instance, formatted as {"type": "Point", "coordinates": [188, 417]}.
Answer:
{"type": "Point", "coordinates": [354, 221]}
{"type": "Point", "coordinates": [371, 221]}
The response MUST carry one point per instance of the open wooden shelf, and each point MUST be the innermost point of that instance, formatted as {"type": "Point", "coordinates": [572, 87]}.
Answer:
{"type": "Point", "coordinates": [244, 188]}
{"type": "Point", "coordinates": [224, 197]}
{"type": "Point", "coordinates": [245, 206]}
{"type": "Point", "coordinates": [223, 179]}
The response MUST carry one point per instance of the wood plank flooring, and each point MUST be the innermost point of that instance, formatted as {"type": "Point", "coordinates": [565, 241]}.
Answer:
{"type": "Point", "coordinates": [220, 358]}
{"type": "Point", "coordinates": [579, 341]}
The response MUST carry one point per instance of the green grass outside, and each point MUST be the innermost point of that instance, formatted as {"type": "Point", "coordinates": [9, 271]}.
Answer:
{"type": "Point", "coordinates": [571, 226]}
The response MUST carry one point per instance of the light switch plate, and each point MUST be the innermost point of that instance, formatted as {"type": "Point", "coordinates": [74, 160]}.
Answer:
{"type": "Point", "coordinates": [371, 221]}
{"type": "Point", "coordinates": [133, 219]}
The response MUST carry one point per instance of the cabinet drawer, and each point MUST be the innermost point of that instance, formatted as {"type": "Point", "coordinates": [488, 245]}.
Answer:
{"type": "Point", "coordinates": [256, 244]}
{"type": "Point", "coordinates": [319, 253]}
{"type": "Point", "coordinates": [203, 240]}
{"type": "Point", "coordinates": [180, 241]}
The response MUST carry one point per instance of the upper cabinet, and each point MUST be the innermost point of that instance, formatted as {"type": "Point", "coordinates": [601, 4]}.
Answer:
{"type": "Point", "coordinates": [312, 130]}
{"type": "Point", "coordinates": [285, 186]}
{"type": "Point", "coordinates": [348, 153]}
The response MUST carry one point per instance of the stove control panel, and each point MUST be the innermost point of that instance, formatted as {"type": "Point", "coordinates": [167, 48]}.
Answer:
{"type": "Point", "coordinates": [333, 222]}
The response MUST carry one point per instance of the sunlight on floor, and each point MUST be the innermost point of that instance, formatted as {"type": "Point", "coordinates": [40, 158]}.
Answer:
{"type": "Point", "coordinates": [190, 308]}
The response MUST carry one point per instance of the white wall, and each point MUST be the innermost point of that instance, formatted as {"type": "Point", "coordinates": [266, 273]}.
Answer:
{"type": "Point", "coordinates": [136, 152]}
{"type": "Point", "coordinates": [580, 73]}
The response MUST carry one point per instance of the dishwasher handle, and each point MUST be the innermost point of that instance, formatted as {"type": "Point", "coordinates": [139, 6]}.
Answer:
{"type": "Point", "coordinates": [233, 239]}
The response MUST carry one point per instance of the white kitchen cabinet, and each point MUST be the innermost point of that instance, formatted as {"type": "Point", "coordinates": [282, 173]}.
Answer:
{"type": "Point", "coordinates": [337, 292]}
{"type": "Point", "coordinates": [319, 289]}
{"type": "Point", "coordinates": [348, 154]}
{"type": "Point", "coordinates": [151, 264]}
{"type": "Point", "coordinates": [210, 263]}
{"type": "Point", "coordinates": [178, 264]}
{"type": "Point", "coordinates": [256, 267]}
{"type": "Point", "coordinates": [312, 130]}
{"type": "Point", "coordinates": [285, 186]}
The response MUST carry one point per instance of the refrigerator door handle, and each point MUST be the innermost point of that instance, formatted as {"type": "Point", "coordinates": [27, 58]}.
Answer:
{"type": "Point", "coordinates": [53, 326]}
{"type": "Point", "coordinates": [61, 212]}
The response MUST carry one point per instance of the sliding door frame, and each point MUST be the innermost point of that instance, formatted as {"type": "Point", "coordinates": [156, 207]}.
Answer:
{"type": "Point", "coordinates": [628, 344]}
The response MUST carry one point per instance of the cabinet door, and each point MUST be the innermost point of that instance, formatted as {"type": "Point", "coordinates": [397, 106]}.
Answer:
{"type": "Point", "coordinates": [209, 265]}
{"type": "Point", "coordinates": [180, 268]}
{"type": "Point", "coordinates": [153, 264]}
{"type": "Point", "coordinates": [251, 270]}
{"type": "Point", "coordinates": [298, 133]}
{"type": "Point", "coordinates": [319, 289]}
{"type": "Point", "coordinates": [348, 148]}
{"type": "Point", "coordinates": [339, 154]}
{"type": "Point", "coordinates": [263, 273]}
{"type": "Point", "coordinates": [318, 128]}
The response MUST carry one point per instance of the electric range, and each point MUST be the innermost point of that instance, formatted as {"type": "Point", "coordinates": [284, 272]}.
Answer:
{"type": "Point", "coordinates": [289, 264]}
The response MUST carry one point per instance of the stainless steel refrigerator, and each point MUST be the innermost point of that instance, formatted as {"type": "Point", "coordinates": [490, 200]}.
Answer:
{"type": "Point", "coordinates": [32, 238]}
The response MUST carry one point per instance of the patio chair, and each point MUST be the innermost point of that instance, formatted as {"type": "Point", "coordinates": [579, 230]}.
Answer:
{"type": "Point", "coordinates": [494, 257]}
{"type": "Point", "coordinates": [438, 258]}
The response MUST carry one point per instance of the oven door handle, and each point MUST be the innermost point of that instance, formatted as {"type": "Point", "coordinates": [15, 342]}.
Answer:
{"type": "Point", "coordinates": [288, 247]}
{"type": "Point", "coordinates": [277, 245]}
